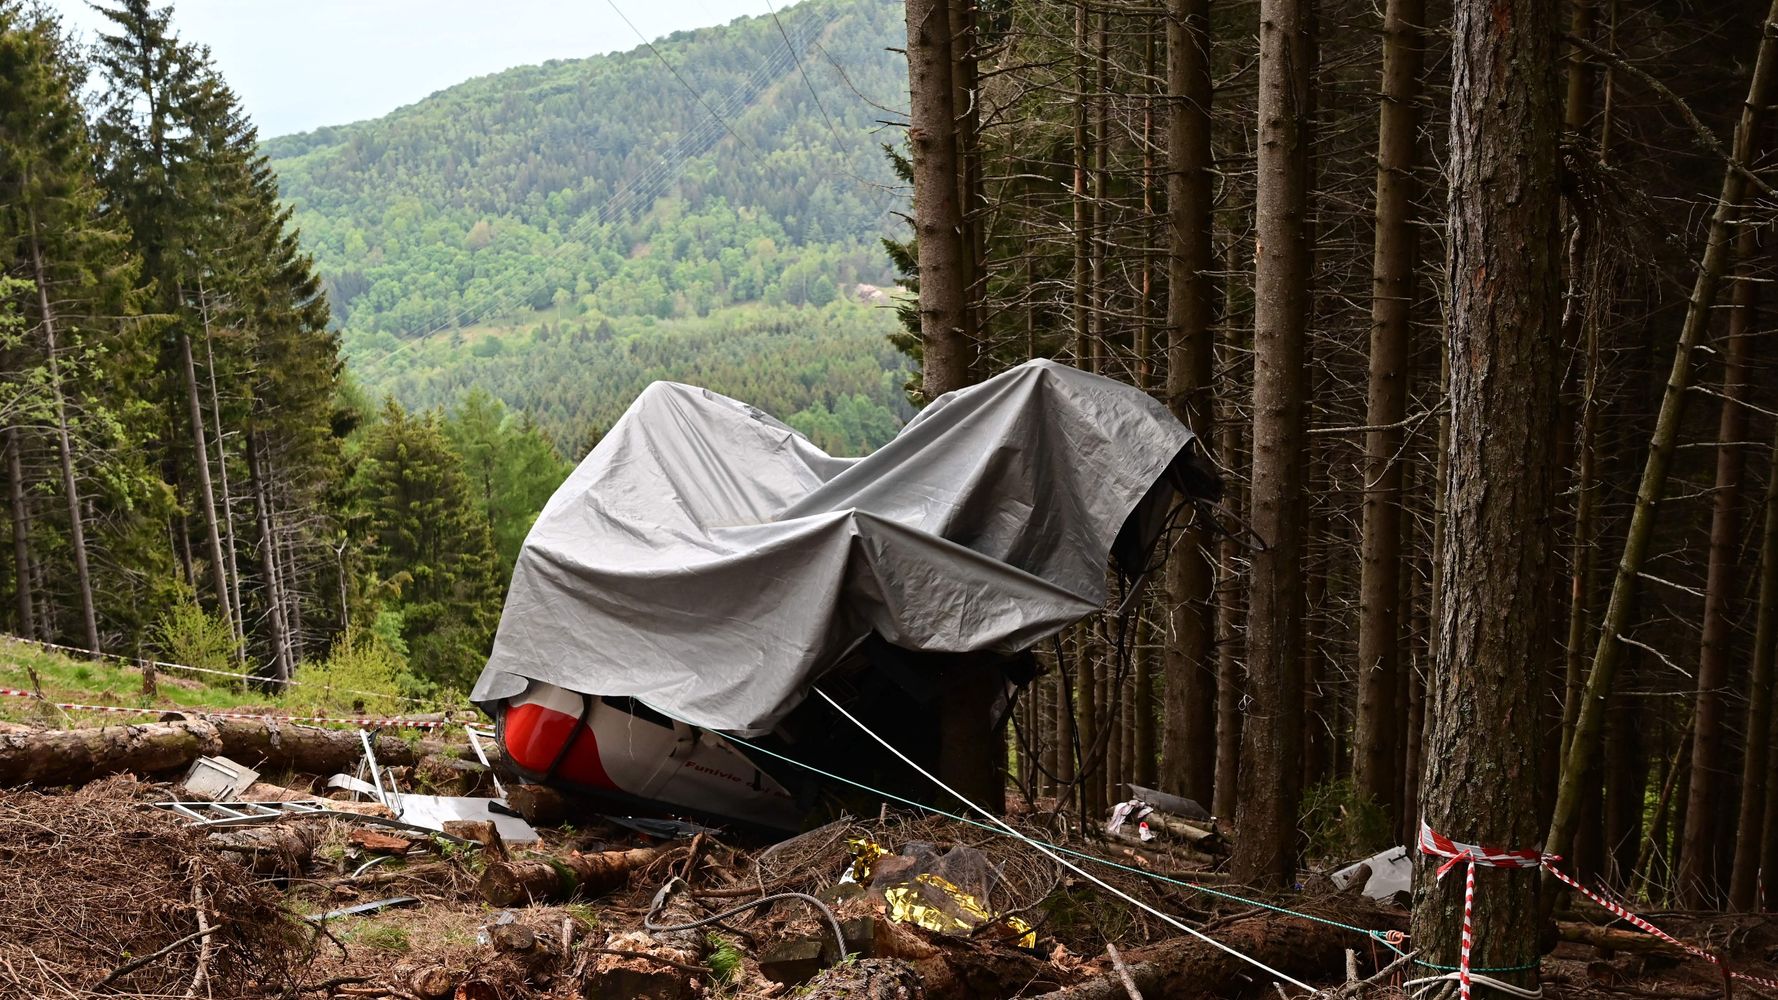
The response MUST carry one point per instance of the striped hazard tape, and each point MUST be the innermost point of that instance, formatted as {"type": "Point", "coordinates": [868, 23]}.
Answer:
{"type": "Point", "coordinates": [363, 723]}
{"type": "Point", "coordinates": [1434, 844]}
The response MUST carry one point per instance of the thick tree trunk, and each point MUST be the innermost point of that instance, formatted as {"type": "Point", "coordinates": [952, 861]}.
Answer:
{"type": "Point", "coordinates": [1752, 823]}
{"type": "Point", "coordinates": [1505, 316]}
{"type": "Point", "coordinates": [1376, 738]}
{"type": "Point", "coordinates": [83, 579]}
{"type": "Point", "coordinates": [1272, 739]}
{"type": "Point", "coordinates": [1699, 881]}
{"type": "Point", "coordinates": [77, 756]}
{"type": "Point", "coordinates": [21, 535]}
{"type": "Point", "coordinates": [206, 493]}
{"type": "Point", "coordinates": [1588, 724]}
{"type": "Point", "coordinates": [277, 632]}
{"type": "Point", "coordinates": [1188, 750]}
{"type": "Point", "coordinates": [938, 216]}
{"type": "Point", "coordinates": [945, 346]}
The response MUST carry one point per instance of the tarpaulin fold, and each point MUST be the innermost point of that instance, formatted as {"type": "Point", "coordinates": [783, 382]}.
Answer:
{"type": "Point", "coordinates": [710, 562]}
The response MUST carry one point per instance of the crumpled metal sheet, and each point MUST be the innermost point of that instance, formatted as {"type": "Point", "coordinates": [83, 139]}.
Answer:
{"type": "Point", "coordinates": [711, 562]}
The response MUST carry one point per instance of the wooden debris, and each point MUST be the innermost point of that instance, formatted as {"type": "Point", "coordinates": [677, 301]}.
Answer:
{"type": "Point", "coordinates": [432, 982]}
{"type": "Point", "coordinates": [377, 842]}
{"type": "Point", "coordinates": [539, 804]}
{"type": "Point", "coordinates": [514, 883]}
{"type": "Point", "coordinates": [282, 849]}
{"type": "Point", "coordinates": [1189, 969]}
{"type": "Point", "coordinates": [481, 831]}
{"type": "Point", "coordinates": [876, 978]}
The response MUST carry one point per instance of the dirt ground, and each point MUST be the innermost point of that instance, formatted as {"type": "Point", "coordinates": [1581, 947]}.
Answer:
{"type": "Point", "coordinates": [101, 895]}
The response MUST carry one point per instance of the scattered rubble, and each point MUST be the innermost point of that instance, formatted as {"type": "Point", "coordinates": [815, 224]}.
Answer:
{"type": "Point", "coordinates": [284, 886]}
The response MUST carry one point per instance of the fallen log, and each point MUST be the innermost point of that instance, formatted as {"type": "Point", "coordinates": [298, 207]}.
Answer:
{"type": "Point", "coordinates": [512, 883]}
{"type": "Point", "coordinates": [305, 749]}
{"type": "Point", "coordinates": [1616, 939]}
{"type": "Point", "coordinates": [76, 756]}
{"type": "Point", "coordinates": [1190, 969]}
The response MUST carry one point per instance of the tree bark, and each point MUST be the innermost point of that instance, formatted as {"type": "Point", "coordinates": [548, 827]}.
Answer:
{"type": "Point", "coordinates": [21, 536]}
{"type": "Point", "coordinates": [1188, 750]}
{"type": "Point", "coordinates": [83, 579]}
{"type": "Point", "coordinates": [1480, 783]}
{"type": "Point", "coordinates": [1609, 652]}
{"type": "Point", "coordinates": [1271, 746]}
{"type": "Point", "coordinates": [1756, 759]}
{"type": "Point", "coordinates": [1376, 738]}
{"type": "Point", "coordinates": [1698, 884]}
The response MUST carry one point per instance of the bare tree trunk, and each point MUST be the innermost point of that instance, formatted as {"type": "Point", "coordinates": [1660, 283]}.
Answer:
{"type": "Point", "coordinates": [1082, 160]}
{"type": "Point", "coordinates": [1229, 682]}
{"type": "Point", "coordinates": [1752, 821]}
{"type": "Point", "coordinates": [1063, 700]}
{"type": "Point", "coordinates": [1376, 739]}
{"type": "Point", "coordinates": [237, 621]}
{"type": "Point", "coordinates": [21, 535]}
{"type": "Point", "coordinates": [206, 494]}
{"type": "Point", "coordinates": [1271, 744]}
{"type": "Point", "coordinates": [938, 217]}
{"type": "Point", "coordinates": [967, 135]}
{"type": "Point", "coordinates": [64, 447]}
{"type": "Point", "coordinates": [1585, 744]}
{"type": "Point", "coordinates": [268, 562]}
{"type": "Point", "coordinates": [1480, 783]}
{"type": "Point", "coordinates": [1768, 855]}
{"type": "Point", "coordinates": [1188, 747]}
{"type": "Point", "coordinates": [968, 760]}
{"type": "Point", "coordinates": [1698, 879]}
{"type": "Point", "coordinates": [1090, 732]}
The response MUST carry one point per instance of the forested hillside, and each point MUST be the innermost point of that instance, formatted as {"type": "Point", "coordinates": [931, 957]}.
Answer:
{"type": "Point", "coordinates": [554, 203]}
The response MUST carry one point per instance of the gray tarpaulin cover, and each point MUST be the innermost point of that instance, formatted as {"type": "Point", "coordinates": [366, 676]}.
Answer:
{"type": "Point", "coordinates": [711, 562]}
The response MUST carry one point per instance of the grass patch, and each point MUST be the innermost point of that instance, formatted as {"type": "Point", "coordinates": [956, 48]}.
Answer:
{"type": "Point", "coordinates": [385, 938]}
{"type": "Point", "coordinates": [724, 959]}
{"type": "Point", "coordinates": [27, 667]}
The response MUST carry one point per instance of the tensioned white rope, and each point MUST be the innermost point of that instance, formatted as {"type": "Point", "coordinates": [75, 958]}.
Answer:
{"type": "Point", "coordinates": [1057, 858]}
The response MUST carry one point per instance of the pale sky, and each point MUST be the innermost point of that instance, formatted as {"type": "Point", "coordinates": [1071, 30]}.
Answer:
{"type": "Point", "coordinates": [301, 64]}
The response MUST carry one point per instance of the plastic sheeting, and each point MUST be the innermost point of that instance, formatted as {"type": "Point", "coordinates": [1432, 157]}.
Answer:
{"type": "Point", "coordinates": [710, 562]}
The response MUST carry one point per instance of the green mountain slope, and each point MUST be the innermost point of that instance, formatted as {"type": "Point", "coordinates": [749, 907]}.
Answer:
{"type": "Point", "coordinates": [571, 196]}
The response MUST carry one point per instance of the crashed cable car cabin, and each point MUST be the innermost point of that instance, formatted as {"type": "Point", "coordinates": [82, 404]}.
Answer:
{"type": "Point", "coordinates": [706, 568]}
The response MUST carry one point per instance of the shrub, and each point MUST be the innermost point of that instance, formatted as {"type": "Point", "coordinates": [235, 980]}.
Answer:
{"type": "Point", "coordinates": [190, 635]}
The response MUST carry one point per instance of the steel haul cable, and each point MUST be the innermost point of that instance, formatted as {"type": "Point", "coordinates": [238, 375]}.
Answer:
{"type": "Point", "coordinates": [1057, 858]}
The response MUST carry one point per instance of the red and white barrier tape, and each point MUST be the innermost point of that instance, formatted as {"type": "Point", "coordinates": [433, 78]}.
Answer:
{"type": "Point", "coordinates": [1438, 845]}
{"type": "Point", "coordinates": [1643, 925]}
{"type": "Point", "coordinates": [252, 716]}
